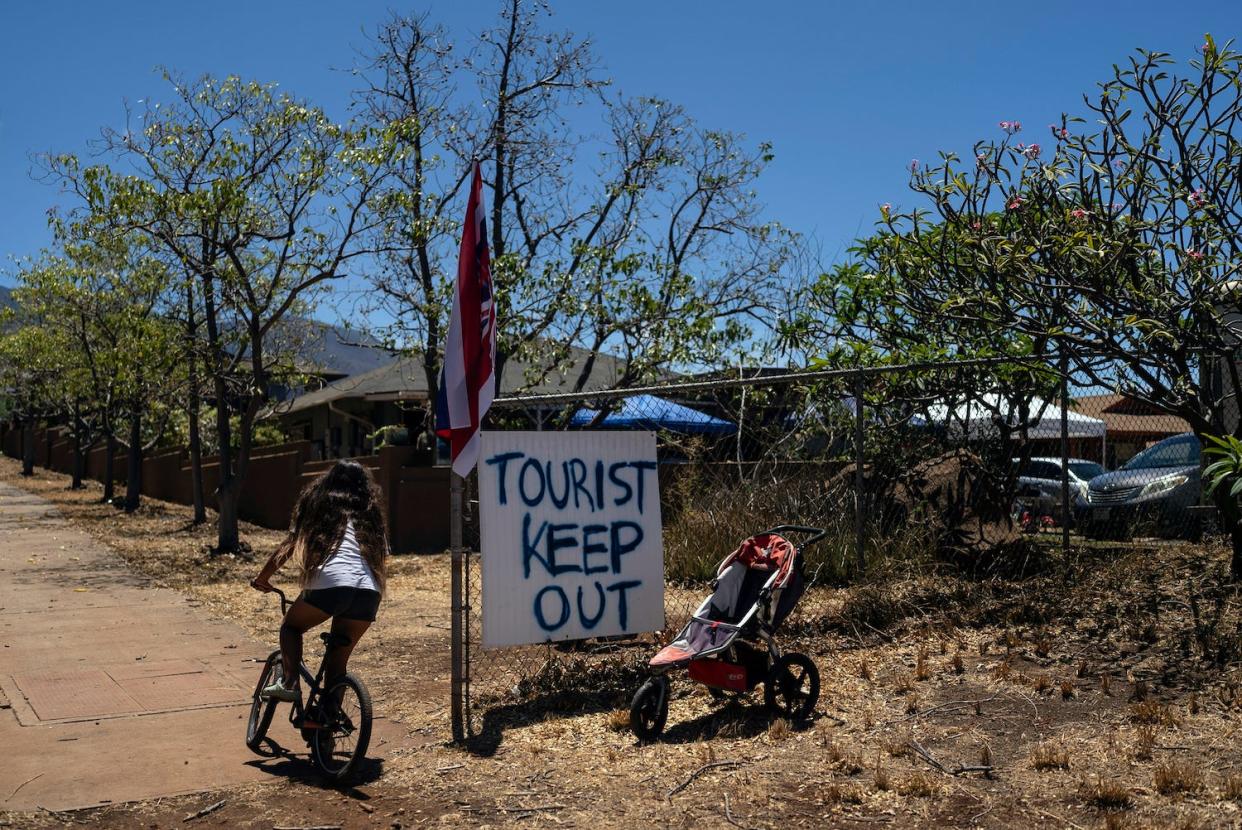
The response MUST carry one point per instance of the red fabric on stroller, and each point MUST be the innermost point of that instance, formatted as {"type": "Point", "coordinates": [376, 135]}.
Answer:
{"type": "Point", "coordinates": [765, 552]}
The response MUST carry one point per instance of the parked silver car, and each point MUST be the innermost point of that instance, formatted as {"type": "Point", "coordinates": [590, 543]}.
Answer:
{"type": "Point", "coordinates": [1039, 484]}
{"type": "Point", "coordinates": [1152, 492]}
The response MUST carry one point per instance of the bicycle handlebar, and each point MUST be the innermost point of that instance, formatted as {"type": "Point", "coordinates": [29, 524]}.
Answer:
{"type": "Point", "coordinates": [284, 602]}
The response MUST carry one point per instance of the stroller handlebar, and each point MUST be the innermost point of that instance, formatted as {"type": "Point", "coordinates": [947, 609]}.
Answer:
{"type": "Point", "coordinates": [816, 533]}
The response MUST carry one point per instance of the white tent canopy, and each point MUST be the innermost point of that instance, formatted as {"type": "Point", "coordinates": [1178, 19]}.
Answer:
{"type": "Point", "coordinates": [978, 418]}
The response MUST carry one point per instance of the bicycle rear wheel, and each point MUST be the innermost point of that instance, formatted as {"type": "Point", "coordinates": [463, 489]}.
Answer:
{"type": "Point", "coordinates": [262, 709]}
{"type": "Point", "coordinates": [345, 731]}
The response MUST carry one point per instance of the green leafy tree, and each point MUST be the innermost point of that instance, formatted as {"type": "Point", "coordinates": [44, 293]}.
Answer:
{"type": "Point", "coordinates": [1116, 244]}
{"type": "Point", "coordinates": [641, 238]}
{"type": "Point", "coordinates": [260, 199]}
{"type": "Point", "coordinates": [99, 302]}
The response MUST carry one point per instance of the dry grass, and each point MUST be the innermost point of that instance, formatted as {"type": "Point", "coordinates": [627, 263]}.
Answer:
{"type": "Point", "coordinates": [1067, 689]}
{"type": "Point", "coordinates": [1048, 756]}
{"type": "Point", "coordinates": [1177, 777]}
{"type": "Point", "coordinates": [532, 746]}
{"type": "Point", "coordinates": [881, 778]}
{"type": "Point", "coordinates": [1106, 794]}
{"type": "Point", "coordinates": [1152, 712]}
{"type": "Point", "coordinates": [1144, 742]}
{"type": "Point", "coordinates": [919, 785]}
{"type": "Point", "coordinates": [834, 793]}
{"type": "Point", "coordinates": [921, 670]}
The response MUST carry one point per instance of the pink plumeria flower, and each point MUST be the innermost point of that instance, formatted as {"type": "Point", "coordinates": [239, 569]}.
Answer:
{"type": "Point", "coordinates": [1196, 199]}
{"type": "Point", "coordinates": [914, 165]}
{"type": "Point", "coordinates": [1011, 127]}
{"type": "Point", "coordinates": [976, 225]}
{"type": "Point", "coordinates": [1197, 256]}
{"type": "Point", "coordinates": [1058, 132]}
{"type": "Point", "coordinates": [1078, 213]}
{"type": "Point", "coordinates": [1031, 151]}
{"type": "Point", "coordinates": [1015, 202]}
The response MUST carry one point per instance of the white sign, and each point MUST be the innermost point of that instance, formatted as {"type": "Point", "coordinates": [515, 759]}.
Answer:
{"type": "Point", "coordinates": [571, 536]}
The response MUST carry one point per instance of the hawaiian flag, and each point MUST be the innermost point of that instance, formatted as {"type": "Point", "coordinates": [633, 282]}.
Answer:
{"type": "Point", "coordinates": [468, 377]}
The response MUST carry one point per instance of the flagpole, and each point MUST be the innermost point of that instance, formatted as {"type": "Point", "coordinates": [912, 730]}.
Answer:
{"type": "Point", "coordinates": [458, 607]}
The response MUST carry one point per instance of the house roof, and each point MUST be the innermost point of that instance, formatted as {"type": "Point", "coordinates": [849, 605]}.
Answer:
{"type": "Point", "coordinates": [1123, 414]}
{"type": "Point", "coordinates": [404, 379]}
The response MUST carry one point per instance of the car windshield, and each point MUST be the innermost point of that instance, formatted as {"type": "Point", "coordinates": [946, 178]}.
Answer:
{"type": "Point", "coordinates": [1086, 470]}
{"type": "Point", "coordinates": [1182, 451]}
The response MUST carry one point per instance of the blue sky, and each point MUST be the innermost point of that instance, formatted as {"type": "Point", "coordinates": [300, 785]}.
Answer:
{"type": "Point", "coordinates": [847, 93]}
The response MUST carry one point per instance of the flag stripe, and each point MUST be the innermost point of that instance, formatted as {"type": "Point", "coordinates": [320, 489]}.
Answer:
{"type": "Point", "coordinates": [467, 378]}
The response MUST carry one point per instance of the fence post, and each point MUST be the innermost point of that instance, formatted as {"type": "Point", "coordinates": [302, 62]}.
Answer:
{"type": "Point", "coordinates": [456, 624]}
{"type": "Point", "coordinates": [1065, 499]}
{"type": "Point", "coordinates": [859, 433]}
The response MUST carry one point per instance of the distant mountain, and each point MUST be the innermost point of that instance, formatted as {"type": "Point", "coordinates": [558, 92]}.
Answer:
{"type": "Point", "coordinates": [327, 350]}
{"type": "Point", "coordinates": [6, 297]}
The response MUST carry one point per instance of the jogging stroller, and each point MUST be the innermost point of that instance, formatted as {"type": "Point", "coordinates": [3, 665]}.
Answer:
{"type": "Point", "coordinates": [729, 646]}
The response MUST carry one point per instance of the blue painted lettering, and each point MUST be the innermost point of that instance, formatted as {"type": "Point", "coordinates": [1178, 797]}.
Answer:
{"type": "Point", "coordinates": [502, 463]}
{"type": "Point", "coordinates": [590, 549]}
{"type": "Point", "coordinates": [528, 465]}
{"type": "Point", "coordinates": [590, 622]}
{"type": "Point", "coordinates": [620, 547]}
{"type": "Point", "coordinates": [542, 620]}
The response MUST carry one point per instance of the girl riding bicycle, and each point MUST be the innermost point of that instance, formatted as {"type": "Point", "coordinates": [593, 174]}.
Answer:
{"type": "Point", "coordinates": [339, 540]}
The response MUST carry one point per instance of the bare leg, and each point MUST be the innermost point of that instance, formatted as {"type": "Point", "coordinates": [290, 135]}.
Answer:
{"type": "Point", "coordinates": [337, 660]}
{"type": "Point", "coordinates": [300, 617]}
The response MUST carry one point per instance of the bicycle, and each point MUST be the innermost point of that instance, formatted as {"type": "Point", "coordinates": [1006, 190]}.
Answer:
{"type": "Point", "coordinates": [335, 722]}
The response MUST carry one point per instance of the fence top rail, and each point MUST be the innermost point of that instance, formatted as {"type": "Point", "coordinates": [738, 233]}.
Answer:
{"type": "Point", "coordinates": [788, 378]}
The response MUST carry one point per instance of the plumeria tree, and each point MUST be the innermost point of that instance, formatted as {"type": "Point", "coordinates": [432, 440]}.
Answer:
{"type": "Point", "coordinates": [1112, 240]}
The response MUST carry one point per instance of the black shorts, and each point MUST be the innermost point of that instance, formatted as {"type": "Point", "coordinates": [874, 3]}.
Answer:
{"type": "Point", "coordinates": [347, 603]}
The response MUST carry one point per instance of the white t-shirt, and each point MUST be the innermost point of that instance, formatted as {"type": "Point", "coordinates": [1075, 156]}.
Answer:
{"type": "Point", "coordinates": [346, 567]}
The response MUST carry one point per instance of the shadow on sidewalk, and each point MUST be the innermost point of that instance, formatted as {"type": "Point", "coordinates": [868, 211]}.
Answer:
{"type": "Point", "coordinates": [284, 763]}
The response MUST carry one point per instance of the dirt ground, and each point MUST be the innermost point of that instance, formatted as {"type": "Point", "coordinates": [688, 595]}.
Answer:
{"type": "Point", "coordinates": [1100, 690]}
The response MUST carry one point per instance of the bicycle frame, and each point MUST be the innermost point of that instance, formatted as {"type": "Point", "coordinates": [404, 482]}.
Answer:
{"type": "Point", "coordinates": [314, 682]}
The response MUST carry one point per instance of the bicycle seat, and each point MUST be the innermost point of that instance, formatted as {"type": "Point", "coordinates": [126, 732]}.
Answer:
{"type": "Point", "coordinates": [331, 638]}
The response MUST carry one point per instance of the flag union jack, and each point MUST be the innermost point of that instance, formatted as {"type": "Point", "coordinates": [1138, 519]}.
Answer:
{"type": "Point", "coordinates": [468, 376]}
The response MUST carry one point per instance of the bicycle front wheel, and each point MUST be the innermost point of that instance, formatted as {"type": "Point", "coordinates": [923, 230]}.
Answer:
{"type": "Point", "coordinates": [262, 709]}
{"type": "Point", "coordinates": [345, 729]}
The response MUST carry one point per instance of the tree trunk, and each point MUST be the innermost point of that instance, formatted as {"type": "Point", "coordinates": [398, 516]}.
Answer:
{"type": "Point", "coordinates": [228, 539]}
{"type": "Point", "coordinates": [1235, 561]}
{"type": "Point", "coordinates": [79, 459]}
{"type": "Point", "coordinates": [109, 482]}
{"type": "Point", "coordinates": [28, 448]}
{"type": "Point", "coordinates": [133, 479]}
{"type": "Point", "coordinates": [192, 404]}
{"type": "Point", "coordinates": [196, 464]}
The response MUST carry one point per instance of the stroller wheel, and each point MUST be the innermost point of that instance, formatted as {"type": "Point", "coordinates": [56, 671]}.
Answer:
{"type": "Point", "coordinates": [792, 688]}
{"type": "Point", "coordinates": [649, 709]}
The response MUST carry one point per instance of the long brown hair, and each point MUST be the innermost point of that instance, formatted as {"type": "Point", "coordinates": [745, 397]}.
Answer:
{"type": "Point", "coordinates": [346, 491]}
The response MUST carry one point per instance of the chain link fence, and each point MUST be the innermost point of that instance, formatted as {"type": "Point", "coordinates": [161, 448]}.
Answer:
{"type": "Point", "coordinates": [976, 464]}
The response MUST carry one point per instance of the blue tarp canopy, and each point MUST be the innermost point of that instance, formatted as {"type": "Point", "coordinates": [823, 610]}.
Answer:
{"type": "Point", "coordinates": [651, 412]}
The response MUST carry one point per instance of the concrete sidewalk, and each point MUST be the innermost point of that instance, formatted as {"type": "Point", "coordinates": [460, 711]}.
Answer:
{"type": "Point", "coordinates": [111, 690]}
